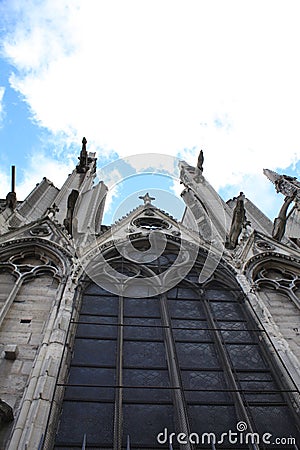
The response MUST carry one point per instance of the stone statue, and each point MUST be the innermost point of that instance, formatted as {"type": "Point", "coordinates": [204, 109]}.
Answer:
{"type": "Point", "coordinates": [11, 200]}
{"type": "Point", "coordinates": [280, 221]}
{"type": "Point", "coordinates": [52, 210]}
{"type": "Point", "coordinates": [200, 161]}
{"type": "Point", "coordinates": [239, 221]}
{"type": "Point", "coordinates": [68, 221]}
{"type": "Point", "coordinates": [147, 199]}
{"type": "Point", "coordinates": [83, 158]}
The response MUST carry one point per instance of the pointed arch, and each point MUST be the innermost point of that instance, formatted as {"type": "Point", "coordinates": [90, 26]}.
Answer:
{"type": "Point", "coordinates": [191, 357]}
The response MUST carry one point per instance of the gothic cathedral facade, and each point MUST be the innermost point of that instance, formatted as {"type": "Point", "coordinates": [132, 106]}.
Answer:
{"type": "Point", "coordinates": [149, 333]}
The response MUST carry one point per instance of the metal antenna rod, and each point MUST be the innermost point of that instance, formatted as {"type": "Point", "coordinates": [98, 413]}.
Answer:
{"type": "Point", "coordinates": [13, 178]}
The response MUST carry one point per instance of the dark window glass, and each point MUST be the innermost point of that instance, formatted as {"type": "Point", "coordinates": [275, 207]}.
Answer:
{"type": "Point", "coordinates": [142, 364]}
{"type": "Point", "coordinates": [143, 423]}
{"type": "Point", "coordinates": [144, 354]}
{"type": "Point", "coordinates": [90, 418]}
{"type": "Point", "coordinates": [94, 352]}
{"type": "Point", "coordinates": [99, 305]}
{"type": "Point", "coordinates": [141, 307]}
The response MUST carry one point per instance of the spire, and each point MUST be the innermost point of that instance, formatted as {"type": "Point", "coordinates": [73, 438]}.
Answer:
{"type": "Point", "coordinates": [273, 176]}
{"type": "Point", "coordinates": [287, 185]}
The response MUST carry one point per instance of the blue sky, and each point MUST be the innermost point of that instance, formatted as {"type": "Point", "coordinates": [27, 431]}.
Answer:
{"type": "Point", "coordinates": [164, 77]}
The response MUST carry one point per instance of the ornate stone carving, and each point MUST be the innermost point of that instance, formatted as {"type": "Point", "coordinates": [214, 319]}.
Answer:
{"type": "Point", "coordinates": [83, 158]}
{"type": "Point", "coordinates": [283, 279]}
{"type": "Point", "coordinates": [11, 200]}
{"type": "Point", "coordinates": [40, 230]}
{"type": "Point", "coordinates": [147, 199]}
{"type": "Point", "coordinates": [200, 161]}
{"type": "Point", "coordinates": [72, 199]}
{"type": "Point", "coordinates": [263, 245]}
{"type": "Point", "coordinates": [52, 210]}
{"type": "Point", "coordinates": [290, 188]}
{"type": "Point", "coordinates": [285, 184]}
{"type": "Point", "coordinates": [267, 256]}
{"type": "Point", "coordinates": [239, 221]}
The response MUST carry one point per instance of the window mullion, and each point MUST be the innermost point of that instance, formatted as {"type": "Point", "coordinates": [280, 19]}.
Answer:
{"type": "Point", "coordinates": [226, 365]}
{"type": "Point", "coordinates": [118, 415]}
{"type": "Point", "coordinates": [174, 372]}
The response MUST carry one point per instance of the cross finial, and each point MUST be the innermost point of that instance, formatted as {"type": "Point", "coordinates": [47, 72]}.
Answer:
{"type": "Point", "coordinates": [147, 199]}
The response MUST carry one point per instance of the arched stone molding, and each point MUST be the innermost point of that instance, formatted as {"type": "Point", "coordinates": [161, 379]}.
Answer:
{"type": "Point", "coordinates": [48, 252]}
{"type": "Point", "coordinates": [254, 263]}
{"type": "Point", "coordinates": [35, 316]}
{"type": "Point", "coordinates": [203, 248]}
{"type": "Point", "coordinates": [27, 259]}
{"type": "Point", "coordinates": [274, 280]}
{"type": "Point", "coordinates": [277, 272]}
{"type": "Point", "coordinates": [224, 287]}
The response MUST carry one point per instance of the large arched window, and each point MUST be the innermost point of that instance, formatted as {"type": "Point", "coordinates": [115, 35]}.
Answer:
{"type": "Point", "coordinates": [190, 360]}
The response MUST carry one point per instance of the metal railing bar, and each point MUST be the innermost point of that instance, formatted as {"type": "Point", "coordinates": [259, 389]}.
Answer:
{"type": "Point", "coordinates": [246, 391]}
{"type": "Point", "coordinates": [83, 447]}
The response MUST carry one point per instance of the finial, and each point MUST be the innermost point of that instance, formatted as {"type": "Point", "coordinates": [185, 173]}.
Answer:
{"type": "Point", "coordinates": [84, 142]}
{"type": "Point", "coordinates": [271, 175]}
{"type": "Point", "coordinates": [147, 199]}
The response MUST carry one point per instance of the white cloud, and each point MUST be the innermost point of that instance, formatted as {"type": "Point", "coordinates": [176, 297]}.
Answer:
{"type": "Point", "coordinates": [260, 192]}
{"type": "Point", "coordinates": [5, 184]}
{"type": "Point", "coordinates": [167, 77]}
{"type": "Point", "coordinates": [112, 195]}
{"type": "Point", "coordinates": [38, 165]}
{"type": "Point", "coordinates": [177, 188]}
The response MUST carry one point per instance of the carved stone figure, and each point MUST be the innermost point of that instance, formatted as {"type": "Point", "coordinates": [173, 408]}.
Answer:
{"type": "Point", "coordinates": [239, 221]}
{"type": "Point", "coordinates": [83, 158]}
{"type": "Point", "coordinates": [52, 210]}
{"type": "Point", "coordinates": [70, 205]}
{"type": "Point", "coordinates": [147, 199]}
{"type": "Point", "coordinates": [280, 221]}
{"type": "Point", "coordinates": [11, 200]}
{"type": "Point", "coordinates": [200, 161]}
